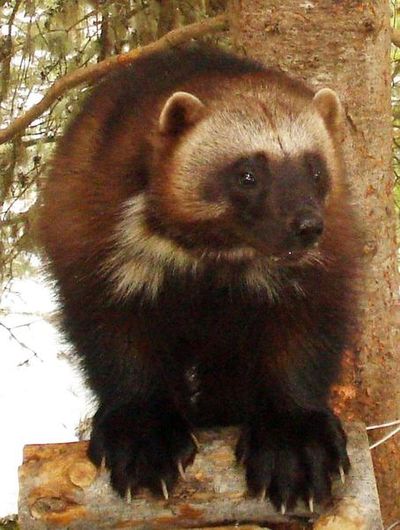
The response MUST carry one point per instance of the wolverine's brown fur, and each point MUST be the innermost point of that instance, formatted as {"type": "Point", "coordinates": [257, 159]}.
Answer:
{"type": "Point", "coordinates": [199, 228]}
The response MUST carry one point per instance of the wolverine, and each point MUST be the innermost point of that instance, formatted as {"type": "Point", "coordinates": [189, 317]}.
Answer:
{"type": "Point", "coordinates": [203, 244]}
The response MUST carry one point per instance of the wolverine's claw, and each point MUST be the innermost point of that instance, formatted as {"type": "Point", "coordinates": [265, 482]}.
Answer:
{"type": "Point", "coordinates": [103, 464]}
{"type": "Point", "coordinates": [311, 504]}
{"type": "Point", "coordinates": [263, 494]}
{"type": "Point", "coordinates": [342, 475]}
{"type": "Point", "coordinates": [195, 441]}
{"type": "Point", "coordinates": [283, 508]}
{"type": "Point", "coordinates": [164, 489]}
{"type": "Point", "coordinates": [181, 471]}
{"type": "Point", "coordinates": [128, 496]}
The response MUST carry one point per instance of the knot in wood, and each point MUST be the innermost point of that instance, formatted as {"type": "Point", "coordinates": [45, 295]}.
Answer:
{"type": "Point", "coordinates": [45, 505]}
{"type": "Point", "coordinates": [369, 25]}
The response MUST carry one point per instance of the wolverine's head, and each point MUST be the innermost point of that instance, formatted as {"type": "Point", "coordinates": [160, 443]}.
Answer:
{"type": "Point", "coordinates": [247, 177]}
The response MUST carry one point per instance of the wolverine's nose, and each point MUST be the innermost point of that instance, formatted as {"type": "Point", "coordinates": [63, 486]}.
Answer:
{"type": "Point", "coordinates": [307, 228]}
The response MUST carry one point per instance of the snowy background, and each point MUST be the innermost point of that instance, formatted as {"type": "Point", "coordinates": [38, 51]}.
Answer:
{"type": "Point", "coordinates": [42, 396]}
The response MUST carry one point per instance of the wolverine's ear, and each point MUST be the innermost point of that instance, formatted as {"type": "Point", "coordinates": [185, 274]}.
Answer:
{"type": "Point", "coordinates": [181, 110]}
{"type": "Point", "coordinates": [327, 103]}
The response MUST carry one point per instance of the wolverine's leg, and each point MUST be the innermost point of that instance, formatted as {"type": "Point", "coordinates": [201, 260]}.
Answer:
{"type": "Point", "coordinates": [140, 431]}
{"type": "Point", "coordinates": [292, 442]}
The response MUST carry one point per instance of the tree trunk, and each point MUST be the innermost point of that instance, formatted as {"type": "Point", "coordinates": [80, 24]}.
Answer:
{"type": "Point", "coordinates": [345, 45]}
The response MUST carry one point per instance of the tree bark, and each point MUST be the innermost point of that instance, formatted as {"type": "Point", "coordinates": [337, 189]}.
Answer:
{"type": "Point", "coordinates": [345, 45]}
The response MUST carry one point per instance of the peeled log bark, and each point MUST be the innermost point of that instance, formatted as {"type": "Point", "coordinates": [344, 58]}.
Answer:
{"type": "Point", "coordinates": [345, 45]}
{"type": "Point", "coordinates": [60, 488]}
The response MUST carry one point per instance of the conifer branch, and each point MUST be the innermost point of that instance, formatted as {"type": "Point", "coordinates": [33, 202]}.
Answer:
{"type": "Point", "coordinates": [94, 72]}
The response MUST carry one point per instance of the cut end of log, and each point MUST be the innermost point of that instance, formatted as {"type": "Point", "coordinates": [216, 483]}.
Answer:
{"type": "Point", "coordinates": [82, 473]}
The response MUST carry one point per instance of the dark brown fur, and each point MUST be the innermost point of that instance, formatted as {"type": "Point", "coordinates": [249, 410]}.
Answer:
{"type": "Point", "coordinates": [197, 302]}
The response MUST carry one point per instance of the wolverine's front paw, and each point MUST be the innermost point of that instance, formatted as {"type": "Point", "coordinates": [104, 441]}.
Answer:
{"type": "Point", "coordinates": [291, 459]}
{"type": "Point", "coordinates": [142, 446]}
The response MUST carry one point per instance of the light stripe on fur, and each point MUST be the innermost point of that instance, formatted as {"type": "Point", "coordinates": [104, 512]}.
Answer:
{"type": "Point", "coordinates": [140, 260]}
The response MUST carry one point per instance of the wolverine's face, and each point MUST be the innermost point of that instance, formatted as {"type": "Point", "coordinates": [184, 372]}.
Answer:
{"type": "Point", "coordinates": [244, 182]}
{"type": "Point", "coordinates": [236, 185]}
{"type": "Point", "coordinates": [275, 206]}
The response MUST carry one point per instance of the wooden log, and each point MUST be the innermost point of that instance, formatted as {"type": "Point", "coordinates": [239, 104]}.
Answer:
{"type": "Point", "coordinates": [60, 488]}
{"type": "Point", "coordinates": [234, 527]}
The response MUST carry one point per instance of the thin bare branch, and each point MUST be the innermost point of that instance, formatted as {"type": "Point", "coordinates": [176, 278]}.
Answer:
{"type": "Point", "coordinates": [94, 72]}
{"type": "Point", "coordinates": [22, 344]}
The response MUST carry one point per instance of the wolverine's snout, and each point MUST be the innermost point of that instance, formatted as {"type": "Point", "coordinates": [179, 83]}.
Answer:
{"type": "Point", "coordinates": [307, 227]}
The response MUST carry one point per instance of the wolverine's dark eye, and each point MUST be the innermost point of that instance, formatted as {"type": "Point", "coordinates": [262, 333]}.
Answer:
{"type": "Point", "coordinates": [247, 180]}
{"type": "Point", "coordinates": [317, 172]}
{"type": "Point", "coordinates": [315, 167]}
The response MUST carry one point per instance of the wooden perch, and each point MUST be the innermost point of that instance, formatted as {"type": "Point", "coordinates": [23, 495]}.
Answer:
{"type": "Point", "coordinates": [60, 488]}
